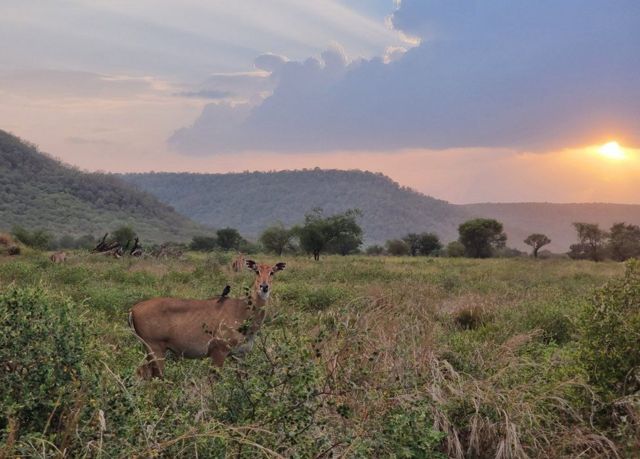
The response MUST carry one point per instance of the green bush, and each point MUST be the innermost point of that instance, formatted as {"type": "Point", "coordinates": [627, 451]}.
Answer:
{"type": "Point", "coordinates": [43, 353]}
{"type": "Point", "coordinates": [610, 339]}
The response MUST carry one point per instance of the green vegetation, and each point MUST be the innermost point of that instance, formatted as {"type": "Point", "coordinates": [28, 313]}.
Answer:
{"type": "Point", "coordinates": [276, 238]}
{"type": "Point", "coordinates": [254, 201]}
{"type": "Point", "coordinates": [38, 192]}
{"type": "Point", "coordinates": [339, 233]}
{"type": "Point", "coordinates": [481, 237]}
{"type": "Point", "coordinates": [359, 357]}
{"type": "Point", "coordinates": [537, 241]}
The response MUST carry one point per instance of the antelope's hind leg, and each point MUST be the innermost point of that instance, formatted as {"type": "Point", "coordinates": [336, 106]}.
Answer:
{"type": "Point", "coordinates": [154, 366]}
{"type": "Point", "coordinates": [218, 352]}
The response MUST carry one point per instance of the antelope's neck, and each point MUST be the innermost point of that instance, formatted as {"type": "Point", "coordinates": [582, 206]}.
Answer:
{"type": "Point", "coordinates": [257, 301]}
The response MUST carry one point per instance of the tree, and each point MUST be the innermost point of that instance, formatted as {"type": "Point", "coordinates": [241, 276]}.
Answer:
{"type": "Point", "coordinates": [455, 249]}
{"type": "Point", "coordinates": [123, 235]}
{"type": "Point", "coordinates": [339, 233]}
{"type": "Point", "coordinates": [537, 241]}
{"type": "Point", "coordinates": [228, 238]}
{"type": "Point", "coordinates": [397, 247]}
{"type": "Point", "coordinates": [412, 241]}
{"type": "Point", "coordinates": [276, 238]}
{"type": "Point", "coordinates": [422, 244]}
{"type": "Point", "coordinates": [481, 237]}
{"type": "Point", "coordinates": [428, 244]}
{"type": "Point", "coordinates": [591, 242]}
{"type": "Point", "coordinates": [344, 233]}
{"type": "Point", "coordinates": [203, 243]}
{"type": "Point", "coordinates": [624, 241]}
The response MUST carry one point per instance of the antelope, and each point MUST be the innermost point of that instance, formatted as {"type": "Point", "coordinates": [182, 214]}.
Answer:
{"type": "Point", "coordinates": [212, 328]}
{"type": "Point", "coordinates": [237, 264]}
{"type": "Point", "coordinates": [58, 257]}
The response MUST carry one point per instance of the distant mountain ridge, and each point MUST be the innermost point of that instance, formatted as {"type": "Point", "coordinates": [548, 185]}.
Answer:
{"type": "Point", "coordinates": [37, 191]}
{"type": "Point", "coordinates": [251, 201]}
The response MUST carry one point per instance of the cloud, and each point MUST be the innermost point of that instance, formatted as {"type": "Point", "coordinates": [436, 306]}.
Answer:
{"type": "Point", "coordinates": [73, 84]}
{"type": "Point", "coordinates": [205, 94]}
{"type": "Point", "coordinates": [500, 74]}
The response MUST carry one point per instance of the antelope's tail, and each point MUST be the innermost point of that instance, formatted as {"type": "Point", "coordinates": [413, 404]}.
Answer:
{"type": "Point", "coordinates": [132, 325]}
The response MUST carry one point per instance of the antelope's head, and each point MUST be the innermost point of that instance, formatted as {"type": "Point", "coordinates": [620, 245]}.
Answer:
{"type": "Point", "coordinates": [264, 276]}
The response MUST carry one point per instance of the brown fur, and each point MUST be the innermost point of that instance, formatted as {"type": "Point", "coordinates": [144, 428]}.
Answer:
{"type": "Point", "coordinates": [58, 257]}
{"type": "Point", "coordinates": [238, 263]}
{"type": "Point", "coordinates": [211, 328]}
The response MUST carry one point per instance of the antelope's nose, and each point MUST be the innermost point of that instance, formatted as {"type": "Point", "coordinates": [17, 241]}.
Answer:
{"type": "Point", "coordinates": [264, 287]}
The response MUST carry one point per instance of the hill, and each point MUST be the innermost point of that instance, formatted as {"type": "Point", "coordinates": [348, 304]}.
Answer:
{"type": "Point", "coordinates": [253, 200]}
{"type": "Point", "coordinates": [554, 220]}
{"type": "Point", "coordinates": [37, 191]}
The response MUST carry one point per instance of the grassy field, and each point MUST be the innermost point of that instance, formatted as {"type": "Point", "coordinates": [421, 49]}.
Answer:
{"type": "Point", "coordinates": [358, 357]}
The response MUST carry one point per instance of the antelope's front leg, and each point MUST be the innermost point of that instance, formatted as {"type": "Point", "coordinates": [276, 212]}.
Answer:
{"type": "Point", "coordinates": [218, 351]}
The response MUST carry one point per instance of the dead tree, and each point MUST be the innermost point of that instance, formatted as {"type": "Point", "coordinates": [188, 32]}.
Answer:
{"type": "Point", "coordinates": [136, 250]}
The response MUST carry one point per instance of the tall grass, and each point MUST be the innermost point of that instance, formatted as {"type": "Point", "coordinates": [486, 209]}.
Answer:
{"type": "Point", "coordinates": [359, 357]}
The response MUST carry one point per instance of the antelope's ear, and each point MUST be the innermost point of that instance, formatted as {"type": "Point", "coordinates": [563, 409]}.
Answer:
{"type": "Point", "coordinates": [279, 267]}
{"type": "Point", "coordinates": [251, 265]}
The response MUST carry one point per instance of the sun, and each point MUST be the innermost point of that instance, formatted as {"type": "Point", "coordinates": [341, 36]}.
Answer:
{"type": "Point", "coordinates": [612, 150]}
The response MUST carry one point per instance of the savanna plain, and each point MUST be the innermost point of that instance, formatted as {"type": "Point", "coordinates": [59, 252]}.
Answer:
{"type": "Point", "coordinates": [359, 356]}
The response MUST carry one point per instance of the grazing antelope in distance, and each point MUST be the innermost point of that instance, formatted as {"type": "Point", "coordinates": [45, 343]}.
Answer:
{"type": "Point", "coordinates": [58, 257]}
{"type": "Point", "coordinates": [238, 263]}
{"type": "Point", "coordinates": [211, 328]}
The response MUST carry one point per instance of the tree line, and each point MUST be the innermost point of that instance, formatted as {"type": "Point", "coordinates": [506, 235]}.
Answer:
{"type": "Point", "coordinates": [341, 234]}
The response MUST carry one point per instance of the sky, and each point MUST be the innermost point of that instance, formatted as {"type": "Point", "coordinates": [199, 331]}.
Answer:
{"type": "Point", "coordinates": [464, 100]}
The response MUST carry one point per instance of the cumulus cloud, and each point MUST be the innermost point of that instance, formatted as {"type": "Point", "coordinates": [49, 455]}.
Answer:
{"type": "Point", "coordinates": [506, 73]}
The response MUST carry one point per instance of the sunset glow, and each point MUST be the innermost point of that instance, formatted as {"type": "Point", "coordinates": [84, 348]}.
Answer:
{"type": "Point", "coordinates": [612, 150]}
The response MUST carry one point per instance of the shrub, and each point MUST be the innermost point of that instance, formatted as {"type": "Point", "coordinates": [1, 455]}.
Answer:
{"type": "Point", "coordinates": [43, 348]}
{"type": "Point", "coordinates": [610, 339]}
{"type": "Point", "coordinates": [374, 250]}
{"type": "Point", "coordinates": [38, 239]}
{"type": "Point", "coordinates": [397, 247]}
{"type": "Point", "coordinates": [203, 243]}
{"type": "Point", "coordinates": [455, 249]}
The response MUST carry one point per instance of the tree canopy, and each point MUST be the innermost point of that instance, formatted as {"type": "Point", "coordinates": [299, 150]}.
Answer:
{"type": "Point", "coordinates": [537, 241]}
{"type": "Point", "coordinates": [481, 237]}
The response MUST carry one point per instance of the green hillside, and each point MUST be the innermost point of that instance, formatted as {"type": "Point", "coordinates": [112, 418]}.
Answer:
{"type": "Point", "coordinates": [253, 200]}
{"type": "Point", "coordinates": [37, 191]}
{"type": "Point", "coordinates": [250, 201]}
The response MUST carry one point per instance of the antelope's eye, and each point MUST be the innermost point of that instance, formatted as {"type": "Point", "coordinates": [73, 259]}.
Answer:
{"type": "Point", "coordinates": [271, 273]}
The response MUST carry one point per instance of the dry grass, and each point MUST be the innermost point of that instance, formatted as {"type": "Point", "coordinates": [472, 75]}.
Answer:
{"type": "Point", "coordinates": [460, 337]}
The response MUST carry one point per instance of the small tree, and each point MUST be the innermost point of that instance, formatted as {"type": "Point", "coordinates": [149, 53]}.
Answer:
{"type": "Point", "coordinates": [228, 238]}
{"type": "Point", "coordinates": [344, 233]}
{"type": "Point", "coordinates": [124, 234]}
{"type": "Point", "coordinates": [624, 241]}
{"type": "Point", "coordinates": [428, 244]}
{"type": "Point", "coordinates": [203, 243]}
{"type": "Point", "coordinates": [37, 239]}
{"type": "Point", "coordinates": [339, 233]}
{"type": "Point", "coordinates": [397, 247]}
{"type": "Point", "coordinates": [537, 241]}
{"type": "Point", "coordinates": [481, 237]}
{"type": "Point", "coordinates": [413, 242]}
{"type": "Point", "coordinates": [455, 249]}
{"type": "Point", "coordinates": [422, 244]}
{"type": "Point", "coordinates": [591, 242]}
{"type": "Point", "coordinates": [276, 238]}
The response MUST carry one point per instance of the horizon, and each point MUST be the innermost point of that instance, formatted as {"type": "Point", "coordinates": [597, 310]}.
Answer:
{"type": "Point", "coordinates": [447, 99]}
